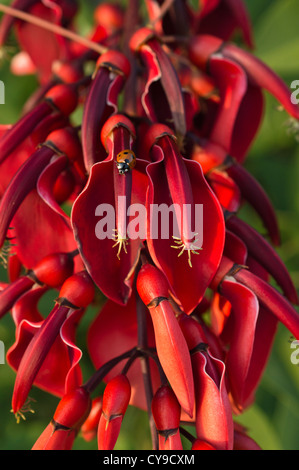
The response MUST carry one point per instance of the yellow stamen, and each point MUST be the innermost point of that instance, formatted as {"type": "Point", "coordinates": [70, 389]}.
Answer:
{"type": "Point", "coordinates": [25, 409]}
{"type": "Point", "coordinates": [191, 248]}
{"type": "Point", "coordinates": [120, 242]}
{"type": "Point", "coordinates": [5, 253]}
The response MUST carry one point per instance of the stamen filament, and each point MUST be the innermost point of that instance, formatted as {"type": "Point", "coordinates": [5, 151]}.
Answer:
{"type": "Point", "coordinates": [25, 409]}
{"type": "Point", "coordinates": [183, 246]}
{"type": "Point", "coordinates": [121, 242]}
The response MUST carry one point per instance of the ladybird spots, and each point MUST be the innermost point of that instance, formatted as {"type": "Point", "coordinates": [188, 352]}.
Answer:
{"type": "Point", "coordinates": [125, 161]}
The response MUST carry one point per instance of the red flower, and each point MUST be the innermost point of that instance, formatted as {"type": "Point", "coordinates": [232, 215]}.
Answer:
{"type": "Point", "coordinates": [124, 178]}
{"type": "Point", "coordinates": [166, 412]}
{"type": "Point", "coordinates": [116, 398]}
{"type": "Point", "coordinates": [70, 413]}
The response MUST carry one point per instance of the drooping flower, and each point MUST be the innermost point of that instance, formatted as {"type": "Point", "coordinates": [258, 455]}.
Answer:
{"type": "Point", "coordinates": [76, 293]}
{"type": "Point", "coordinates": [116, 398]}
{"type": "Point", "coordinates": [69, 415]}
{"type": "Point", "coordinates": [166, 412]}
{"type": "Point", "coordinates": [171, 345]}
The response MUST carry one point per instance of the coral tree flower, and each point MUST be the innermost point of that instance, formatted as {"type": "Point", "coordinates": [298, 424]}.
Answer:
{"type": "Point", "coordinates": [214, 422]}
{"type": "Point", "coordinates": [166, 412]}
{"type": "Point", "coordinates": [121, 187]}
{"type": "Point", "coordinates": [193, 241]}
{"type": "Point", "coordinates": [112, 70]}
{"type": "Point", "coordinates": [171, 345]}
{"type": "Point", "coordinates": [109, 252]}
{"type": "Point", "coordinates": [70, 413]}
{"type": "Point", "coordinates": [76, 293]}
{"type": "Point", "coordinates": [116, 398]}
{"type": "Point", "coordinates": [162, 98]}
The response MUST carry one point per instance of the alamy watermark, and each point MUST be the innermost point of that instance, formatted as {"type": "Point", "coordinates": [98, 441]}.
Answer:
{"type": "Point", "coordinates": [180, 223]}
{"type": "Point", "coordinates": [159, 221]}
{"type": "Point", "coordinates": [2, 353]}
{"type": "Point", "coordinates": [2, 92]}
{"type": "Point", "coordinates": [294, 344]}
{"type": "Point", "coordinates": [295, 94]}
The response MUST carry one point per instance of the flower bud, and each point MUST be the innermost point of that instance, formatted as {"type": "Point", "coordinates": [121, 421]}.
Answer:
{"type": "Point", "coordinates": [63, 97]}
{"type": "Point", "coordinates": [151, 284]}
{"type": "Point", "coordinates": [116, 398]}
{"type": "Point", "coordinates": [54, 269]}
{"type": "Point", "coordinates": [73, 409]}
{"type": "Point", "coordinates": [65, 141]}
{"type": "Point", "coordinates": [78, 290]}
{"type": "Point", "coordinates": [166, 413]}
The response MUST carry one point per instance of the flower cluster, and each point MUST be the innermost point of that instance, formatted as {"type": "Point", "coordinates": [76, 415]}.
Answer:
{"type": "Point", "coordinates": [157, 107]}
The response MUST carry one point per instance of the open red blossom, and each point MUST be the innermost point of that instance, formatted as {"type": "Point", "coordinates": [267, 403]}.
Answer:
{"type": "Point", "coordinates": [112, 70]}
{"type": "Point", "coordinates": [205, 47]}
{"type": "Point", "coordinates": [109, 245]}
{"type": "Point", "coordinates": [162, 98]}
{"type": "Point", "coordinates": [121, 189]}
{"type": "Point", "coordinates": [179, 185]}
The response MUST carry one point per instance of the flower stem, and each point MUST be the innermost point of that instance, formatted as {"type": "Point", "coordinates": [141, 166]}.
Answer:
{"type": "Point", "coordinates": [56, 29]}
{"type": "Point", "coordinates": [99, 375]}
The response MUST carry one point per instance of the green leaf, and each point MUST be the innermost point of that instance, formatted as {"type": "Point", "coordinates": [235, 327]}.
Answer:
{"type": "Point", "coordinates": [260, 428]}
{"type": "Point", "coordinates": [276, 36]}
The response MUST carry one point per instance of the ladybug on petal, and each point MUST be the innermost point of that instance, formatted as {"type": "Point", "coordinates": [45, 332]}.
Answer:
{"type": "Point", "coordinates": [125, 161]}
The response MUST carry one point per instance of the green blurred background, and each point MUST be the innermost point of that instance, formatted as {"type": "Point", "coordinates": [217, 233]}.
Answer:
{"type": "Point", "coordinates": [273, 421]}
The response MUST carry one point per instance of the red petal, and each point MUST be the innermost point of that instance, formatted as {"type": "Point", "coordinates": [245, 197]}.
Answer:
{"type": "Point", "coordinates": [232, 84]}
{"type": "Point", "coordinates": [161, 73]}
{"type": "Point", "coordinates": [35, 355]}
{"type": "Point", "coordinates": [262, 76]}
{"type": "Point", "coordinates": [22, 183]}
{"type": "Point", "coordinates": [46, 182]}
{"type": "Point", "coordinates": [262, 251]}
{"type": "Point", "coordinates": [173, 354]}
{"type": "Point", "coordinates": [100, 103]}
{"type": "Point", "coordinates": [166, 257]}
{"type": "Point", "coordinates": [257, 197]}
{"type": "Point", "coordinates": [112, 275]}
{"type": "Point", "coordinates": [242, 328]}
{"type": "Point", "coordinates": [272, 300]}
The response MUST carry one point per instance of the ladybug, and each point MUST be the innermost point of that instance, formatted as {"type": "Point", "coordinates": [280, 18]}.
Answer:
{"type": "Point", "coordinates": [125, 161]}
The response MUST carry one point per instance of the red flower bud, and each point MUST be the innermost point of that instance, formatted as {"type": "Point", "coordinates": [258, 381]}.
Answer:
{"type": "Point", "coordinates": [116, 398]}
{"type": "Point", "coordinates": [151, 284]}
{"type": "Point", "coordinates": [68, 417]}
{"type": "Point", "coordinates": [54, 269]}
{"type": "Point", "coordinates": [214, 422]}
{"type": "Point", "coordinates": [66, 142]}
{"type": "Point", "coordinates": [63, 97]}
{"type": "Point", "coordinates": [73, 409]}
{"type": "Point", "coordinates": [78, 290]}
{"type": "Point", "coordinates": [172, 349]}
{"type": "Point", "coordinates": [166, 413]}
